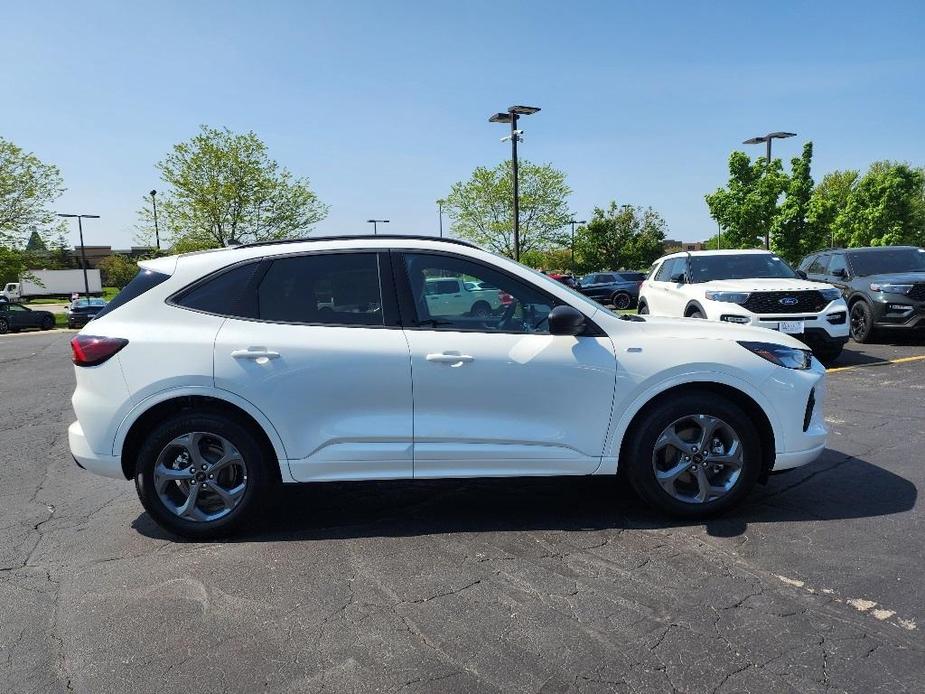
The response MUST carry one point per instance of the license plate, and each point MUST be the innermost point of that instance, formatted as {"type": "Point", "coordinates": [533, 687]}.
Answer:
{"type": "Point", "coordinates": [791, 327]}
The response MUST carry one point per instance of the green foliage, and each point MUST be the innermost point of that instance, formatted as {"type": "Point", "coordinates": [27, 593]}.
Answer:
{"type": "Point", "coordinates": [36, 242]}
{"type": "Point", "coordinates": [223, 186]}
{"type": "Point", "coordinates": [828, 201]}
{"type": "Point", "coordinates": [28, 187]}
{"type": "Point", "coordinates": [747, 206]}
{"type": "Point", "coordinates": [481, 208]}
{"type": "Point", "coordinates": [885, 207]}
{"type": "Point", "coordinates": [620, 237]}
{"type": "Point", "coordinates": [789, 229]}
{"type": "Point", "coordinates": [554, 258]}
{"type": "Point", "coordinates": [117, 271]}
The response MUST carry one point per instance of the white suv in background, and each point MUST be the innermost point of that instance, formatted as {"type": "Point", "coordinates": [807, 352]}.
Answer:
{"type": "Point", "coordinates": [746, 287]}
{"type": "Point", "coordinates": [213, 377]}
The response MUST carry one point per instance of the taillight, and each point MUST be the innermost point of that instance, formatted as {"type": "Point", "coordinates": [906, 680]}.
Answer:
{"type": "Point", "coordinates": [505, 298]}
{"type": "Point", "coordinates": [90, 350]}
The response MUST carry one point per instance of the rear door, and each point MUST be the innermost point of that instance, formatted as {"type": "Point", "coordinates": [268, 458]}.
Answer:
{"type": "Point", "coordinates": [499, 395]}
{"type": "Point", "coordinates": [316, 346]}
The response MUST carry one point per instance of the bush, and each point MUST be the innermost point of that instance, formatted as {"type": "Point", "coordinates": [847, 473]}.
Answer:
{"type": "Point", "coordinates": [117, 271]}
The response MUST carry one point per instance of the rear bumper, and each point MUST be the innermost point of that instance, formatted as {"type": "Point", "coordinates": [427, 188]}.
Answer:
{"type": "Point", "coordinates": [85, 457]}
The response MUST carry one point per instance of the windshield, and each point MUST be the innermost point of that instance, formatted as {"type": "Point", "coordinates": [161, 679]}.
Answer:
{"type": "Point", "coordinates": [84, 303]}
{"type": "Point", "coordinates": [705, 268]}
{"type": "Point", "coordinates": [888, 261]}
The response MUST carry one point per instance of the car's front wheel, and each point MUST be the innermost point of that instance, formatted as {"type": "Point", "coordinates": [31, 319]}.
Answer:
{"type": "Point", "coordinates": [48, 323]}
{"type": "Point", "coordinates": [4, 326]}
{"type": "Point", "coordinates": [693, 456]}
{"type": "Point", "coordinates": [643, 309]}
{"type": "Point", "coordinates": [201, 476]}
{"type": "Point", "coordinates": [862, 322]}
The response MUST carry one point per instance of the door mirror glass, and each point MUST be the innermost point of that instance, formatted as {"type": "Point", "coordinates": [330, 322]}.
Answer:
{"type": "Point", "coordinates": [566, 320]}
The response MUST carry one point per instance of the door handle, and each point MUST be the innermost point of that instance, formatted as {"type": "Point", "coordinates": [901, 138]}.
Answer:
{"type": "Point", "coordinates": [259, 354]}
{"type": "Point", "coordinates": [447, 358]}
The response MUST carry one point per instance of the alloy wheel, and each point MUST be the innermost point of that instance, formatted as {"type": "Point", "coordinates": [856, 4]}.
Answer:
{"type": "Point", "coordinates": [621, 301]}
{"type": "Point", "coordinates": [200, 477]}
{"type": "Point", "coordinates": [698, 459]}
{"type": "Point", "coordinates": [858, 322]}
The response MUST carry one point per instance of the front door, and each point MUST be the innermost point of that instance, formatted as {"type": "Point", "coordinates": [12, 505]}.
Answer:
{"type": "Point", "coordinates": [328, 365]}
{"type": "Point", "coordinates": [497, 394]}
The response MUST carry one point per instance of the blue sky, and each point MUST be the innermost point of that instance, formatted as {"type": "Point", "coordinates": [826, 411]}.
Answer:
{"type": "Point", "coordinates": [383, 105]}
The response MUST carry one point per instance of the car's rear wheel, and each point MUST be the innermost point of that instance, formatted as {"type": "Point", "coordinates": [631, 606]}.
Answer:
{"type": "Point", "coordinates": [4, 326]}
{"type": "Point", "coordinates": [48, 323]}
{"type": "Point", "coordinates": [693, 456]}
{"type": "Point", "coordinates": [480, 309]}
{"type": "Point", "coordinates": [862, 322]}
{"type": "Point", "coordinates": [621, 301]}
{"type": "Point", "coordinates": [201, 476]}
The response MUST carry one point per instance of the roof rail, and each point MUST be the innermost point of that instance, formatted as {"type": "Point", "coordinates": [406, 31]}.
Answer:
{"type": "Point", "coordinates": [347, 237]}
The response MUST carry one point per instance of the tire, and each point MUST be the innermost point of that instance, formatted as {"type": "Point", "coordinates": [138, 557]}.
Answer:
{"type": "Point", "coordinates": [48, 323]}
{"type": "Point", "coordinates": [211, 433]}
{"type": "Point", "coordinates": [4, 326]}
{"type": "Point", "coordinates": [861, 322]}
{"type": "Point", "coordinates": [480, 309]}
{"type": "Point", "coordinates": [696, 314]}
{"type": "Point", "coordinates": [621, 301]}
{"type": "Point", "coordinates": [643, 310]}
{"type": "Point", "coordinates": [689, 416]}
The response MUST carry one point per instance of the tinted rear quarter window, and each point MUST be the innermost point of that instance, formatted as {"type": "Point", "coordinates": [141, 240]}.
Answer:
{"type": "Point", "coordinates": [225, 293]}
{"type": "Point", "coordinates": [144, 281]}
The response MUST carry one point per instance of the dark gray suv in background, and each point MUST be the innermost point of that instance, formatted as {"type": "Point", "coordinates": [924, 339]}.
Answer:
{"type": "Point", "coordinates": [884, 286]}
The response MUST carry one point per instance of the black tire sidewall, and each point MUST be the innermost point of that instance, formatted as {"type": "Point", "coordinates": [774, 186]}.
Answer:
{"type": "Point", "coordinates": [696, 314]}
{"type": "Point", "coordinates": [4, 326]}
{"type": "Point", "coordinates": [48, 323]}
{"type": "Point", "coordinates": [643, 309]}
{"type": "Point", "coordinates": [216, 423]}
{"type": "Point", "coordinates": [642, 443]}
{"type": "Point", "coordinates": [617, 296]}
{"type": "Point", "coordinates": [867, 333]}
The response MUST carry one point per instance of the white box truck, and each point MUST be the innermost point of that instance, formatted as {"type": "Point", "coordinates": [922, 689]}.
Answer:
{"type": "Point", "coordinates": [52, 283]}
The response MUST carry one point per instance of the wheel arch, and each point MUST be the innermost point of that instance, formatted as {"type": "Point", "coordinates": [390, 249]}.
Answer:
{"type": "Point", "coordinates": [692, 306]}
{"type": "Point", "coordinates": [156, 409]}
{"type": "Point", "coordinates": [749, 405]}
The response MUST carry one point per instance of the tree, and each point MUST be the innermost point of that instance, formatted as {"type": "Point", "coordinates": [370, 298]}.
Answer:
{"type": "Point", "coordinates": [117, 270]}
{"type": "Point", "coordinates": [747, 206]}
{"type": "Point", "coordinates": [222, 186]}
{"type": "Point", "coordinates": [620, 237]}
{"type": "Point", "coordinates": [36, 242]}
{"type": "Point", "coordinates": [481, 208]}
{"type": "Point", "coordinates": [828, 202]}
{"type": "Point", "coordinates": [28, 187]}
{"type": "Point", "coordinates": [885, 207]}
{"type": "Point", "coordinates": [789, 230]}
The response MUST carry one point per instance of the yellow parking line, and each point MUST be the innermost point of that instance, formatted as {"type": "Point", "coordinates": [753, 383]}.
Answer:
{"type": "Point", "coordinates": [902, 360]}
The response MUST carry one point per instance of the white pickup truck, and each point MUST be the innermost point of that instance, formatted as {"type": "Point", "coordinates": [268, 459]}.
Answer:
{"type": "Point", "coordinates": [454, 296]}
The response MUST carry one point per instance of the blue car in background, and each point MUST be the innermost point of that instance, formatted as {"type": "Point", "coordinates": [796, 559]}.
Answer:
{"type": "Point", "coordinates": [617, 289]}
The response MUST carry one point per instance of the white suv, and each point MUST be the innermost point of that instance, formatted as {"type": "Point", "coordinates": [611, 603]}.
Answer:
{"type": "Point", "coordinates": [214, 376]}
{"type": "Point", "coordinates": [747, 288]}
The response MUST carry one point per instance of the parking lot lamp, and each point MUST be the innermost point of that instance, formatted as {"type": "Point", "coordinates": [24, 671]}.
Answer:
{"type": "Point", "coordinates": [767, 139]}
{"type": "Point", "coordinates": [83, 253]}
{"type": "Point", "coordinates": [157, 233]}
{"type": "Point", "coordinates": [440, 203]}
{"type": "Point", "coordinates": [573, 223]}
{"type": "Point", "coordinates": [374, 222]}
{"type": "Point", "coordinates": [511, 116]}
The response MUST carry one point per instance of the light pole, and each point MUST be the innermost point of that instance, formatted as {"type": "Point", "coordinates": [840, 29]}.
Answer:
{"type": "Point", "coordinates": [512, 115]}
{"type": "Point", "coordinates": [767, 139]}
{"type": "Point", "coordinates": [440, 207]}
{"type": "Point", "coordinates": [374, 222]}
{"type": "Point", "coordinates": [83, 253]}
{"type": "Point", "coordinates": [573, 223]}
{"type": "Point", "coordinates": [157, 233]}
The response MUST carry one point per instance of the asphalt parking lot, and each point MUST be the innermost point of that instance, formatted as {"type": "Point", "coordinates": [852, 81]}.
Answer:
{"type": "Point", "coordinates": [509, 585]}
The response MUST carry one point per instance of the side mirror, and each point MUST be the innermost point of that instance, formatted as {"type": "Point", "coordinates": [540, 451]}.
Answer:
{"type": "Point", "coordinates": [566, 320]}
{"type": "Point", "coordinates": [677, 278]}
{"type": "Point", "coordinates": [841, 272]}
{"type": "Point", "coordinates": [802, 275]}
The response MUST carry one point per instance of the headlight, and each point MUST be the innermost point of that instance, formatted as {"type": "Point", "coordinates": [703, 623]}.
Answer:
{"type": "Point", "coordinates": [830, 294]}
{"type": "Point", "coordinates": [890, 288]}
{"type": "Point", "coordinates": [728, 297]}
{"type": "Point", "coordinates": [788, 357]}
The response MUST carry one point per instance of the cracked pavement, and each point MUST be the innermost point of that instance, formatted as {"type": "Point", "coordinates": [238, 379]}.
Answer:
{"type": "Point", "coordinates": [552, 585]}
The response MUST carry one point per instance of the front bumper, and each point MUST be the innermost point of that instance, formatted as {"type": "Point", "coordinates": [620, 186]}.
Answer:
{"type": "Point", "coordinates": [106, 465]}
{"type": "Point", "coordinates": [886, 315]}
{"type": "Point", "coordinates": [798, 399]}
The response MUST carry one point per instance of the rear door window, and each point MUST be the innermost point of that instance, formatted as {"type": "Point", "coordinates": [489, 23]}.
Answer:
{"type": "Point", "coordinates": [225, 294]}
{"type": "Point", "coordinates": [322, 289]}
